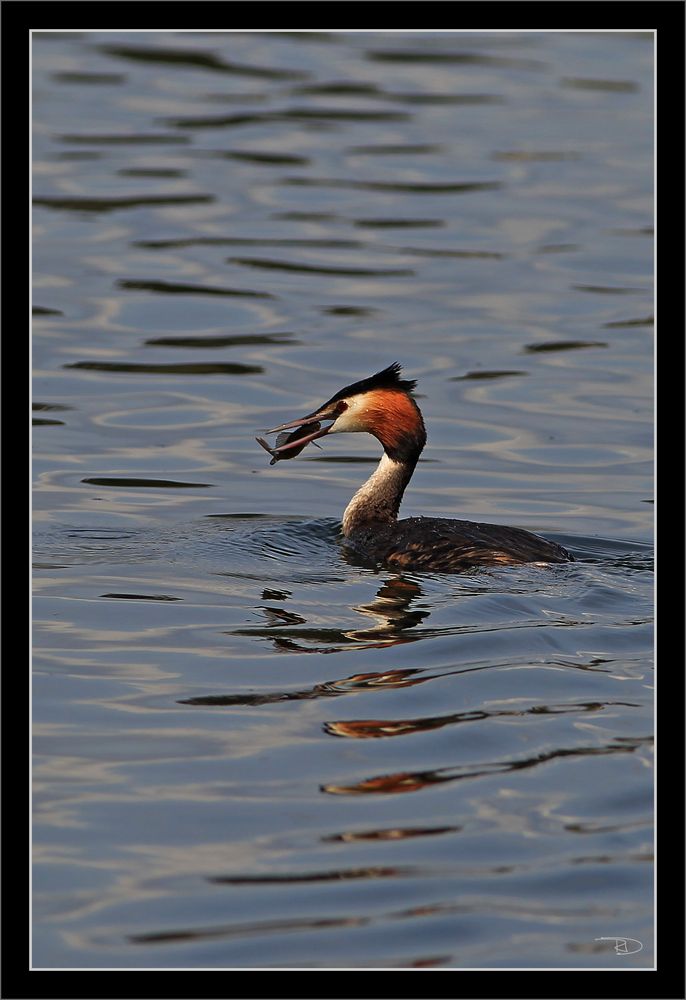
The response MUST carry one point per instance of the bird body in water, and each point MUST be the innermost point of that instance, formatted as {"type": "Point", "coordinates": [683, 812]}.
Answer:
{"type": "Point", "coordinates": [384, 406]}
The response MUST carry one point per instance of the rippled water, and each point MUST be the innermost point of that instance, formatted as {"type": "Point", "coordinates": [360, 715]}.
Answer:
{"type": "Point", "coordinates": [250, 752]}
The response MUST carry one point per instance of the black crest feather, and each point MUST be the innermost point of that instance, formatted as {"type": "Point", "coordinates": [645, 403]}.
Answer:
{"type": "Point", "coordinates": [389, 378]}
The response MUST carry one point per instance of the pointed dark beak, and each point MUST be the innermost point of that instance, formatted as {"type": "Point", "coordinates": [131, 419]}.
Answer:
{"type": "Point", "coordinates": [299, 441]}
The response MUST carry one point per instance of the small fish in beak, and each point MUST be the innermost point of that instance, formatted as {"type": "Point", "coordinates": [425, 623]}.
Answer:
{"type": "Point", "coordinates": [306, 431]}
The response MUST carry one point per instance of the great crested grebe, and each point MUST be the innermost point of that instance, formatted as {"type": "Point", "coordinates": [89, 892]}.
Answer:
{"type": "Point", "coordinates": [383, 405]}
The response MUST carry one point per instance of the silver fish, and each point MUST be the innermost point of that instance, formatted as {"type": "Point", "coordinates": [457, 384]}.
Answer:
{"type": "Point", "coordinates": [287, 438]}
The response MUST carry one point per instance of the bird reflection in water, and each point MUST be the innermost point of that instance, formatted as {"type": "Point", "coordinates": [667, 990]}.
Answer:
{"type": "Point", "coordinates": [390, 833]}
{"type": "Point", "coordinates": [363, 729]}
{"type": "Point", "coordinates": [393, 613]}
{"type": "Point", "coordinates": [391, 609]}
{"type": "Point", "coordinates": [402, 677]}
{"type": "Point", "coordinates": [414, 781]}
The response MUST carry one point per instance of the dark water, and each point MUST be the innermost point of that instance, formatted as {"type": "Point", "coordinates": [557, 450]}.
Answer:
{"type": "Point", "coordinates": [249, 752]}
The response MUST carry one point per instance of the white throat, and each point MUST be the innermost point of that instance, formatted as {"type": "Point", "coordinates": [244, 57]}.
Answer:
{"type": "Point", "coordinates": [378, 500]}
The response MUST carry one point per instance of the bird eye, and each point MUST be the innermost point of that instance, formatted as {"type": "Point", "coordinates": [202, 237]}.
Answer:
{"type": "Point", "coordinates": [341, 407]}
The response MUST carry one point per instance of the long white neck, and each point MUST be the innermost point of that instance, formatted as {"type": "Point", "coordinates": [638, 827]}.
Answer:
{"type": "Point", "coordinates": [378, 500]}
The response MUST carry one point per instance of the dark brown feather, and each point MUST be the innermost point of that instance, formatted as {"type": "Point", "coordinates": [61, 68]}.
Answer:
{"type": "Point", "coordinates": [450, 546]}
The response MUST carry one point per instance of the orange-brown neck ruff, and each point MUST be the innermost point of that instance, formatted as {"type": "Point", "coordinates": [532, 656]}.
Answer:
{"type": "Point", "coordinates": [394, 418]}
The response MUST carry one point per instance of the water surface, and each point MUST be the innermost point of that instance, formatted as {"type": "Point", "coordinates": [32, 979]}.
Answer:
{"type": "Point", "coordinates": [250, 752]}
